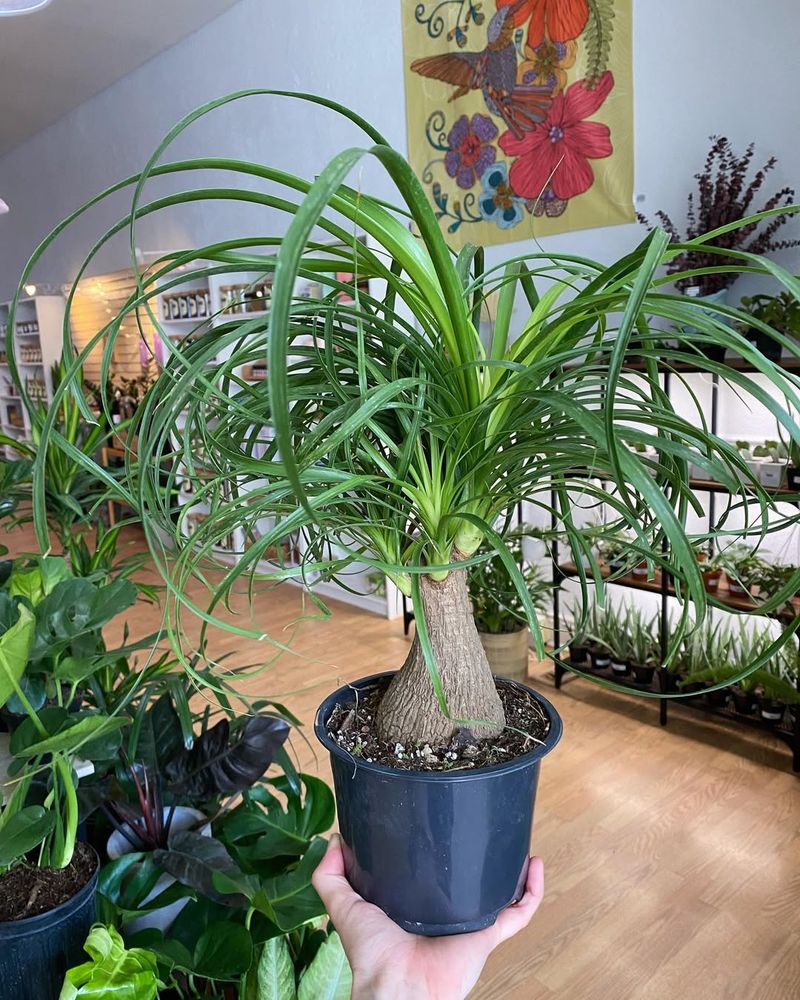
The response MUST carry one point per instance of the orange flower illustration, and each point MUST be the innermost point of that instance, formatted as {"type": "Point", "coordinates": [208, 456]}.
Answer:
{"type": "Point", "coordinates": [560, 20]}
{"type": "Point", "coordinates": [547, 65]}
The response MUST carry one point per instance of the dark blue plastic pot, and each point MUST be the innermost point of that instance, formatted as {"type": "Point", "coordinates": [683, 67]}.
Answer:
{"type": "Point", "coordinates": [36, 952]}
{"type": "Point", "coordinates": [441, 852]}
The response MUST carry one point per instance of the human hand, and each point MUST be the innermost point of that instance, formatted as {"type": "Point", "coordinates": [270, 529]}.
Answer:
{"type": "Point", "coordinates": [388, 963]}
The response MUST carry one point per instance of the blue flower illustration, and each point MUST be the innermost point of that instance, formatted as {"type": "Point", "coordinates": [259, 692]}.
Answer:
{"type": "Point", "coordinates": [497, 202]}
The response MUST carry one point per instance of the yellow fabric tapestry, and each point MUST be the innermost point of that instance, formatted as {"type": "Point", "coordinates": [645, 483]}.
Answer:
{"type": "Point", "coordinates": [520, 114]}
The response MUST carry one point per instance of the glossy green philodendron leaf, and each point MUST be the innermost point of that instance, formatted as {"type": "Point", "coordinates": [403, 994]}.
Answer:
{"type": "Point", "coordinates": [114, 972]}
{"type": "Point", "coordinates": [273, 976]}
{"type": "Point", "coordinates": [35, 582]}
{"type": "Point", "coordinates": [329, 976]}
{"type": "Point", "coordinates": [15, 648]}
{"type": "Point", "coordinates": [223, 951]}
{"type": "Point", "coordinates": [75, 608]}
{"type": "Point", "coordinates": [24, 831]}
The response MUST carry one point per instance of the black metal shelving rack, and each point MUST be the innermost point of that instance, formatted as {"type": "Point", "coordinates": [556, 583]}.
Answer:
{"type": "Point", "coordinates": [789, 732]}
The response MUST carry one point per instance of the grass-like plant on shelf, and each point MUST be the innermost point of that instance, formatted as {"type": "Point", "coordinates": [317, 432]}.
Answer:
{"type": "Point", "coordinates": [388, 432]}
{"type": "Point", "coordinates": [496, 603]}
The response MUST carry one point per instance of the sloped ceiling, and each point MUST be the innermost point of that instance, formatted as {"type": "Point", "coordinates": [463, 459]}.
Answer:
{"type": "Point", "coordinates": [55, 59]}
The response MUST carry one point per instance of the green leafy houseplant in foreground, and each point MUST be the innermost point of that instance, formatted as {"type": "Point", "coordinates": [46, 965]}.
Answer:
{"type": "Point", "coordinates": [387, 432]}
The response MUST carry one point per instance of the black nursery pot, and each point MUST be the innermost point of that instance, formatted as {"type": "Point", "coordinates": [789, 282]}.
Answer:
{"type": "Point", "coordinates": [36, 952]}
{"type": "Point", "coordinates": [765, 344]}
{"type": "Point", "coordinates": [578, 652]}
{"type": "Point", "coordinates": [743, 701]}
{"type": "Point", "coordinates": [643, 673]}
{"type": "Point", "coordinates": [441, 852]}
{"type": "Point", "coordinates": [601, 658]}
{"type": "Point", "coordinates": [793, 477]}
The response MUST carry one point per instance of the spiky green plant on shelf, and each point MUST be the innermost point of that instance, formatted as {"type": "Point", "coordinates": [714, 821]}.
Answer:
{"type": "Point", "coordinates": [387, 431]}
{"type": "Point", "coordinates": [642, 644]}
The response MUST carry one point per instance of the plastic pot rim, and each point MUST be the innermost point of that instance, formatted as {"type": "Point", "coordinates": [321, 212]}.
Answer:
{"type": "Point", "coordinates": [460, 774]}
{"type": "Point", "coordinates": [26, 925]}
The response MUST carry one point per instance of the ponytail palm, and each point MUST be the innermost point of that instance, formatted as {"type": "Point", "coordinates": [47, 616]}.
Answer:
{"type": "Point", "coordinates": [389, 433]}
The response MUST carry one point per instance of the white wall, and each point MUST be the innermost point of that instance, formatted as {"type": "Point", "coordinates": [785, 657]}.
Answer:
{"type": "Point", "coordinates": [701, 67]}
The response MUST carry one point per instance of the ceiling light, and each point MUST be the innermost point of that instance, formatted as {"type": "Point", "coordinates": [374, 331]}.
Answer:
{"type": "Point", "coordinates": [30, 290]}
{"type": "Point", "coordinates": [8, 8]}
{"type": "Point", "coordinates": [3, 207]}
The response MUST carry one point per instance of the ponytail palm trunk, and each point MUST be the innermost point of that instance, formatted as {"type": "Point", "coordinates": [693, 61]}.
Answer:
{"type": "Point", "coordinates": [388, 433]}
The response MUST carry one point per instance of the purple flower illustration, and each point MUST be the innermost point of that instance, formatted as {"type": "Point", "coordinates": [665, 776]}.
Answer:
{"type": "Point", "coordinates": [471, 151]}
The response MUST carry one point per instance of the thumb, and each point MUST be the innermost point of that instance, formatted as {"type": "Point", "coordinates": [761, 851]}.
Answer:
{"type": "Point", "coordinates": [331, 883]}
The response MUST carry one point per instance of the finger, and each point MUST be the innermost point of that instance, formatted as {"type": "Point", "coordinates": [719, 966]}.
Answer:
{"type": "Point", "coordinates": [512, 920]}
{"type": "Point", "coordinates": [333, 860]}
{"type": "Point", "coordinates": [330, 882]}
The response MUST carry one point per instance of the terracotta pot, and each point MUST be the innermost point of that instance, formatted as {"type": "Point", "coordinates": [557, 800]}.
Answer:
{"type": "Point", "coordinates": [507, 652]}
{"type": "Point", "coordinates": [711, 580]}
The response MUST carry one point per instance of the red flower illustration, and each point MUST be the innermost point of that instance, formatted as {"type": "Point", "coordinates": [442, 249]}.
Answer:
{"type": "Point", "coordinates": [562, 144]}
{"type": "Point", "coordinates": [563, 20]}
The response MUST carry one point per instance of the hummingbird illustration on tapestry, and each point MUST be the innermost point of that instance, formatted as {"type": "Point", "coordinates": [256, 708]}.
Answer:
{"type": "Point", "coordinates": [494, 72]}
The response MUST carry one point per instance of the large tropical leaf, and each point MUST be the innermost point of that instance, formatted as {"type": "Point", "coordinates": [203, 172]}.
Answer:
{"type": "Point", "coordinates": [329, 976]}
{"type": "Point", "coordinates": [113, 972]}
{"type": "Point", "coordinates": [273, 976]}
{"type": "Point", "coordinates": [218, 765]}
{"type": "Point", "coordinates": [24, 831]}
{"type": "Point", "coordinates": [193, 859]}
{"type": "Point", "coordinates": [15, 648]}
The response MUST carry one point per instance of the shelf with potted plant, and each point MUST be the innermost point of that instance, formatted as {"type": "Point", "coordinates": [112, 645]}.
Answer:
{"type": "Point", "coordinates": [709, 659]}
{"type": "Point", "coordinates": [766, 699]}
{"type": "Point", "coordinates": [744, 582]}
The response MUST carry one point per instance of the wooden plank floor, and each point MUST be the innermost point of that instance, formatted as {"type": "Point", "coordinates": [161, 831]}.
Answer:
{"type": "Point", "coordinates": [672, 856]}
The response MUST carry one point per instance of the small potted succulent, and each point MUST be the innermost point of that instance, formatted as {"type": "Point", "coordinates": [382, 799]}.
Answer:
{"type": "Point", "coordinates": [778, 684]}
{"type": "Point", "coordinates": [644, 647]}
{"type": "Point", "coordinates": [616, 638]}
{"type": "Point", "coordinates": [498, 610]}
{"type": "Point", "coordinates": [793, 462]}
{"type": "Point", "coordinates": [770, 460]}
{"type": "Point", "coordinates": [597, 634]}
{"type": "Point", "coordinates": [710, 662]}
{"type": "Point", "coordinates": [772, 578]}
{"type": "Point", "coordinates": [743, 695]}
{"type": "Point", "coordinates": [742, 568]}
{"type": "Point", "coordinates": [612, 550]}
{"type": "Point", "coordinates": [711, 567]}
{"type": "Point", "coordinates": [579, 643]}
